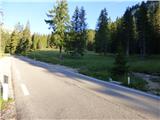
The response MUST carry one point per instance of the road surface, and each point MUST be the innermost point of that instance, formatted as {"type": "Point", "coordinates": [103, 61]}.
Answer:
{"type": "Point", "coordinates": [45, 91]}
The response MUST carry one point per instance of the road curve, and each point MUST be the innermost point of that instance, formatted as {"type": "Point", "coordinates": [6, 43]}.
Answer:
{"type": "Point", "coordinates": [45, 91]}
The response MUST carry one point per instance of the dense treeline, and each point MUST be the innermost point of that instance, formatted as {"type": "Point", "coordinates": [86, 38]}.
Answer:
{"type": "Point", "coordinates": [20, 41]}
{"type": "Point", "coordinates": [138, 31]}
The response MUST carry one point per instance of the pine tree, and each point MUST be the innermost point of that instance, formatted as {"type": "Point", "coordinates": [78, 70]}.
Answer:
{"type": "Point", "coordinates": [120, 68]}
{"type": "Point", "coordinates": [102, 33]}
{"type": "Point", "coordinates": [59, 22]}
{"type": "Point", "coordinates": [49, 42]}
{"type": "Point", "coordinates": [113, 30]}
{"type": "Point", "coordinates": [156, 25]}
{"type": "Point", "coordinates": [14, 42]}
{"type": "Point", "coordinates": [128, 29]}
{"type": "Point", "coordinates": [90, 39]}
{"type": "Point", "coordinates": [119, 33]}
{"type": "Point", "coordinates": [72, 43]}
{"type": "Point", "coordinates": [76, 44]}
{"type": "Point", "coordinates": [5, 41]}
{"type": "Point", "coordinates": [33, 46]}
{"type": "Point", "coordinates": [25, 42]}
{"type": "Point", "coordinates": [83, 31]}
{"type": "Point", "coordinates": [143, 28]}
{"type": "Point", "coordinates": [15, 38]}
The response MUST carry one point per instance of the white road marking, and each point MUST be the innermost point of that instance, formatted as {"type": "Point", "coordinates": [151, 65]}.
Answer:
{"type": "Point", "coordinates": [24, 89]}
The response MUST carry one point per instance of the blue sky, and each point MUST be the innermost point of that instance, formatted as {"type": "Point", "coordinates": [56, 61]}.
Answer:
{"type": "Point", "coordinates": [35, 11]}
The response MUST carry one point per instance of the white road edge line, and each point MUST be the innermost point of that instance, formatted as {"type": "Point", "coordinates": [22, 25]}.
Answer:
{"type": "Point", "coordinates": [24, 89]}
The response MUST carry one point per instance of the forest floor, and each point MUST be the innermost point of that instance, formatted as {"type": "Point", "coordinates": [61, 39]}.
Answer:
{"type": "Point", "coordinates": [99, 66]}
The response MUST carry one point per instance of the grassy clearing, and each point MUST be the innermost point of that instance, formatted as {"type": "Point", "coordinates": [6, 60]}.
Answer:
{"type": "Point", "coordinates": [98, 65]}
{"type": "Point", "coordinates": [149, 64]}
{"type": "Point", "coordinates": [90, 64]}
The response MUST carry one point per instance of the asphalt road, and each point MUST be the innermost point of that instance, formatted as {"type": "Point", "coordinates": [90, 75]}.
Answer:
{"type": "Point", "coordinates": [45, 91]}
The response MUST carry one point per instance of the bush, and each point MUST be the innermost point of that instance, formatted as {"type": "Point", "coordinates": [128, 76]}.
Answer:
{"type": "Point", "coordinates": [120, 69]}
{"type": "Point", "coordinates": [138, 83]}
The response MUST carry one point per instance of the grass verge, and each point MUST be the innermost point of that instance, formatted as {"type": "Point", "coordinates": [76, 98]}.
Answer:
{"type": "Point", "coordinates": [4, 104]}
{"type": "Point", "coordinates": [1, 102]}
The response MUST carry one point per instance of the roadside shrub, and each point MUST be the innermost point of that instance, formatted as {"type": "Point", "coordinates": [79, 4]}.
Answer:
{"type": "Point", "coordinates": [138, 83]}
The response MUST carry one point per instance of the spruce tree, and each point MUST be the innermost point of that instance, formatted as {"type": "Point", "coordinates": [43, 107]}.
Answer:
{"type": "Point", "coordinates": [13, 42]}
{"type": "Point", "coordinates": [59, 22]}
{"type": "Point", "coordinates": [76, 44]}
{"type": "Point", "coordinates": [128, 29]}
{"type": "Point", "coordinates": [102, 33]}
{"type": "Point", "coordinates": [142, 28]}
{"type": "Point", "coordinates": [83, 31]}
{"type": "Point", "coordinates": [15, 38]}
{"type": "Point", "coordinates": [120, 68]}
{"type": "Point", "coordinates": [25, 42]}
{"type": "Point", "coordinates": [113, 29]}
{"type": "Point", "coordinates": [33, 46]}
{"type": "Point", "coordinates": [156, 25]}
{"type": "Point", "coordinates": [73, 43]}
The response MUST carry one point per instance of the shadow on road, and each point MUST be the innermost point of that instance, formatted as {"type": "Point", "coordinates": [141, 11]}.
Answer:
{"type": "Point", "coordinates": [126, 97]}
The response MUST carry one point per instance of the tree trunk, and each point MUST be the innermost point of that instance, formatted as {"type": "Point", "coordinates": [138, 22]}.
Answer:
{"type": "Point", "coordinates": [143, 48]}
{"type": "Point", "coordinates": [60, 53]}
{"type": "Point", "coordinates": [127, 48]}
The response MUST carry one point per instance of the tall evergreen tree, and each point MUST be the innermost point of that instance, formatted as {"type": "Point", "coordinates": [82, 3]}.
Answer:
{"type": "Point", "coordinates": [50, 42]}
{"type": "Point", "coordinates": [156, 24]}
{"type": "Point", "coordinates": [25, 42]}
{"type": "Point", "coordinates": [5, 40]}
{"type": "Point", "coordinates": [102, 33]}
{"type": "Point", "coordinates": [119, 33]}
{"type": "Point", "coordinates": [15, 38]}
{"type": "Point", "coordinates": [59, 22]}
{"type": "Point", "coordinates": [14, 42]}
{"type": "Point", "coordinates": [33, 46]}
{"type": "Point", "coordinates": [113, 39]}
{"type": "Point", "coordinates": [128, 29]}
{"type": "Point", "coordinates": [76, 44]}
{"type": "Point", "coordinates": [143, 28]}
{"type": "Point", "coordinates": [72, 43]}
{"type": "Point", "coordinates": [83, 31]}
